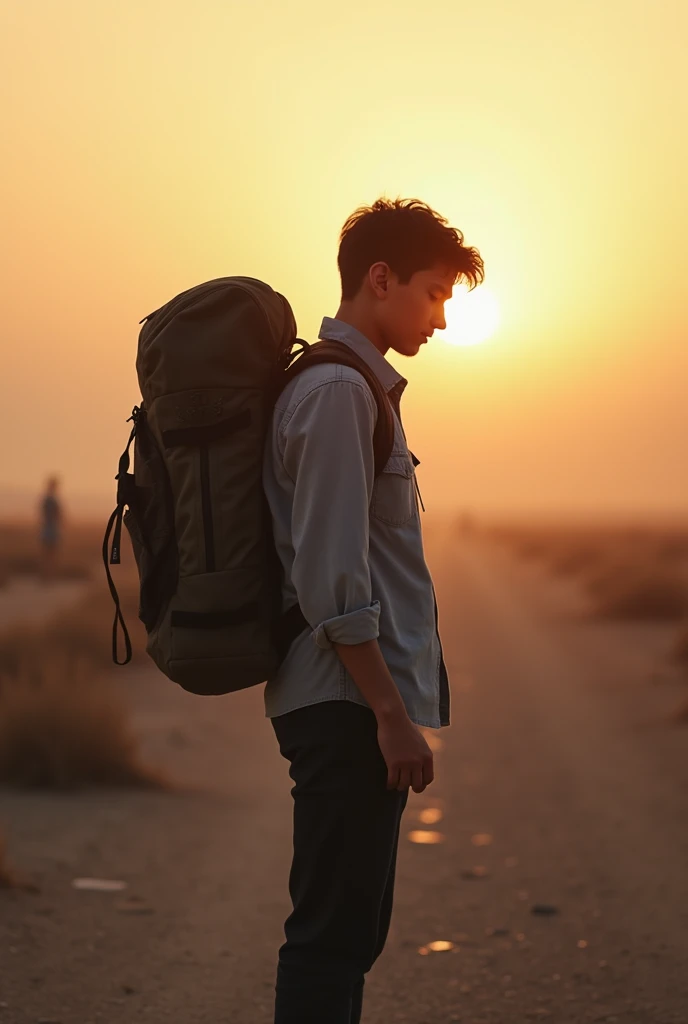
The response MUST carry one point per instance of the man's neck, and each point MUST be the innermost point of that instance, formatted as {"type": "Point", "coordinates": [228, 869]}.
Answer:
{"type": "Point", "coordinates": [352, 314]}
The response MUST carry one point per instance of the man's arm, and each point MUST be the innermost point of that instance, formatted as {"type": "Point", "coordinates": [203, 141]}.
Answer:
{"type": "Point", "coordinates": [407, 755]}
{"type": "Point", "coordinates": [327, 451]}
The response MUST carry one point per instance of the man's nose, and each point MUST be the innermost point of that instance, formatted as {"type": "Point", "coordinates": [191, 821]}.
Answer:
{"type": "Point", "coordinates": [439, 323]}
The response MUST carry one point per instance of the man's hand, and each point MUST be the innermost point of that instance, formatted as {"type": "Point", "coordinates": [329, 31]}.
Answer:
{"type": "Point", "coordinates": [407, 755]}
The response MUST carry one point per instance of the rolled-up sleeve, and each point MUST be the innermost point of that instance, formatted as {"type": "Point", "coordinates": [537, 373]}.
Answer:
{"type": "Point", "coordinates": [327, 450]}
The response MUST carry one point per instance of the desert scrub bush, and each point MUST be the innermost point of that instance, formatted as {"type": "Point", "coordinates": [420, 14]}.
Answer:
{"type": "Point", "coordinates": [77, 559]}
{"type": "Point", "coordinates": [7, 876]}
{"type": "Point", "coordinates": [629, 590]}
{"type": "Point", "coordinates": [573, 556]}
{"type": "Point", "coordinates": [86, 627]}
{"type": "Point", "coordinates": [526, 542]}
{"type": "Point", "coordinates": [680, 649]}
{"type": "Point", "coordinates": [672, 545]}
{"type": "Point", "coordinates": [561, 548]}
{"type": "Point", "coordinates": [63, 726]}
{"type": "Point", "coordinates": [82, 630]}
{"type": "Point", "coordinates": [61, 723]}
{"type": "Point", "coordinates": [659, 554]}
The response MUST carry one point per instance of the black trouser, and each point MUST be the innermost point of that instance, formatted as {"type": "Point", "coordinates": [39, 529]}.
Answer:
{"type": "Point", "coordinates": [346, 832]}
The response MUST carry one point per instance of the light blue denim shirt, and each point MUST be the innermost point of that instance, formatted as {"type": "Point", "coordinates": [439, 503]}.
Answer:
{"type": "Point", "coordinates": [350, 545]}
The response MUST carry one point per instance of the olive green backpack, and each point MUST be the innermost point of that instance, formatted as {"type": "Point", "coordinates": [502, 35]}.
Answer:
{"type": "Point", "coordinates": [210, 364]}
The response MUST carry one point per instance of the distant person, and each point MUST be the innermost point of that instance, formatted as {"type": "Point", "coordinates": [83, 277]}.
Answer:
{"type": "Point", "coordinates": [51, 521]}
{"type": "Point", "coordinates": [351, 695]}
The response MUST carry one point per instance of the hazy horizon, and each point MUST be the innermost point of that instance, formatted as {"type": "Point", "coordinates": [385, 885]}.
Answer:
{"type": "Point", "coordinates": [147, 153]}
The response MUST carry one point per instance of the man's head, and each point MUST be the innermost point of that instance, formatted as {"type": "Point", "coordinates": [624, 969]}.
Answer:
{"type": "Point", "coordinates": [398, 261]}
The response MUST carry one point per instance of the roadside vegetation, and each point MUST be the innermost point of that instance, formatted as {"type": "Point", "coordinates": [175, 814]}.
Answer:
{"type": "Point", "coordinates": [8, 879]}
{"type": "Point", "coordinates": [628, 573]}
{"type": "Point", "coordinates": [62, 722]}
{"type": "Point", "coordinates": [633, 573]}
{"type": "Point", "coordinates": [680, 653]}
{"type": "Point", "coordinates": [20, 553]}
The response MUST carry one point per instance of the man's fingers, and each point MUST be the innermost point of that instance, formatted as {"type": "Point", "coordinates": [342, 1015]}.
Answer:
{"type": "Point", "coordinates": [416, 776]}
{"type": "Point", "coordinates": [417, 783]}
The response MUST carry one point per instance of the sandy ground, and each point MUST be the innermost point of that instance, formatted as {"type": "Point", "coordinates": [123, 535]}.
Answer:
{"type": "Point", "coordinates": [561, 756]}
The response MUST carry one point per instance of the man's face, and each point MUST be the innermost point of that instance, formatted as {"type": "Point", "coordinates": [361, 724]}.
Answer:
{"type": "Point", "coordinates": [411, 312]}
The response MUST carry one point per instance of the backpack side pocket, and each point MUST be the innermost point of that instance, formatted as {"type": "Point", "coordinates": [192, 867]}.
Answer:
{"type": "Point", "coordinates": [150, 523]}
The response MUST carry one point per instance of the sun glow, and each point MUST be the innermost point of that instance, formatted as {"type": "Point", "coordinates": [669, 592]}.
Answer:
{"type": "Point", "coordinates": [471, 317]}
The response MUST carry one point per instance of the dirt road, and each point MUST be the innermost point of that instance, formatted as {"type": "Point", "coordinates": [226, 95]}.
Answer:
{"type": "Point", "coordinates": [561, 780]}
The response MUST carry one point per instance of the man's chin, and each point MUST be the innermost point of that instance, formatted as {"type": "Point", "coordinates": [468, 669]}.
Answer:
{"type": "Point", "coordinates": [409, 348]}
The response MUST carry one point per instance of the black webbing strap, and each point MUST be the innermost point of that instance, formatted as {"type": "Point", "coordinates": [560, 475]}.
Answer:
{"type": "Point", "coordinates": [113, 556]}
{"type": "Point", "coordinates": [216, 619]}
{"type": "Point", "coordinates": [293, 622]}
{"type": "Point", "coordinates": [339, 353]}
{"type": "Point", "coordinates": [203, 434]}
{"type": "Point", "coordinates": [116, 522]}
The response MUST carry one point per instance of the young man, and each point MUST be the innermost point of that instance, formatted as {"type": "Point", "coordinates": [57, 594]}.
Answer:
{"type": "Point", "coordinates": [348, 699]}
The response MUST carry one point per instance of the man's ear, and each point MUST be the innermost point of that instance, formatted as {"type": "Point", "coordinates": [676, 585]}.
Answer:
{"type": "Point", "coordinates": [378, 275]}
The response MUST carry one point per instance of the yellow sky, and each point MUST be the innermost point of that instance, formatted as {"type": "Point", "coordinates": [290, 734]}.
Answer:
{"type": "Point", "coordinates": [154, 145]}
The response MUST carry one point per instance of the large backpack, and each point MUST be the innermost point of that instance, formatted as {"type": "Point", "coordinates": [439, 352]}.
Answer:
{"type": "Point", "coordinates": [210, 364]}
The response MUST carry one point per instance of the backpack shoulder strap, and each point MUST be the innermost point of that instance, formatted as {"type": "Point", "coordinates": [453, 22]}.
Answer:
{"type": "Point", "coordinates": [337, 352]}
{"type": "Point", "coordinates": [293, 622]}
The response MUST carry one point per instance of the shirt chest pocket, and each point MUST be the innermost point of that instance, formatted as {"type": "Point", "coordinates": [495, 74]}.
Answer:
{"type": "Point", "coordinates": [394, 500]}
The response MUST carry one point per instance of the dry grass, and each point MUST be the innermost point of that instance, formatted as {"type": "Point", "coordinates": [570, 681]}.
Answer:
{"type": "Point", "coordinates": [680, 654]}
{"type": "Point", "coordinates": [62, 724]}
{"type": "Point", "coordinates": [82, 630]}
{"type": "Point", "coordinates": [77, 559]}
{"type": "Point", "coordinates": [681, 712]}
{"type": "Point", "coordinates": [8, 879]}
{"type": "Point", "coordinates": [11, 879]}
{"type": "Point", "coordinates": [631, 572]}
{"type": "Point", "coordinates": [627, 590]}
{"type": "Point", "coordinates": [680, 651]}
{"type": "Point", "coordinates": [61, 727]}
{"type": "Point", "coordinates": [569, 548]}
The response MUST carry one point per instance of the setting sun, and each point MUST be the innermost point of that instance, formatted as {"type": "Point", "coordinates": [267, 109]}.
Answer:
{"type": "Point", "coordinates": [471, 317]}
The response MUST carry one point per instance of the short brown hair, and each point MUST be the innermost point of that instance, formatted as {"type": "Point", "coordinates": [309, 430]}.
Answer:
{"type": "Point", "coordinates": [408, 236]}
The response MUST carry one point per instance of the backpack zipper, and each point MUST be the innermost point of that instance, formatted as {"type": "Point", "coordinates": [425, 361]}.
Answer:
{"type": "Point", "coordinates": [206, 505]}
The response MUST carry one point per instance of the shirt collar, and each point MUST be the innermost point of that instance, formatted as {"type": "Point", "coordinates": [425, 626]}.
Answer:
{"type": "Point", "coordinates": [336, 330]}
